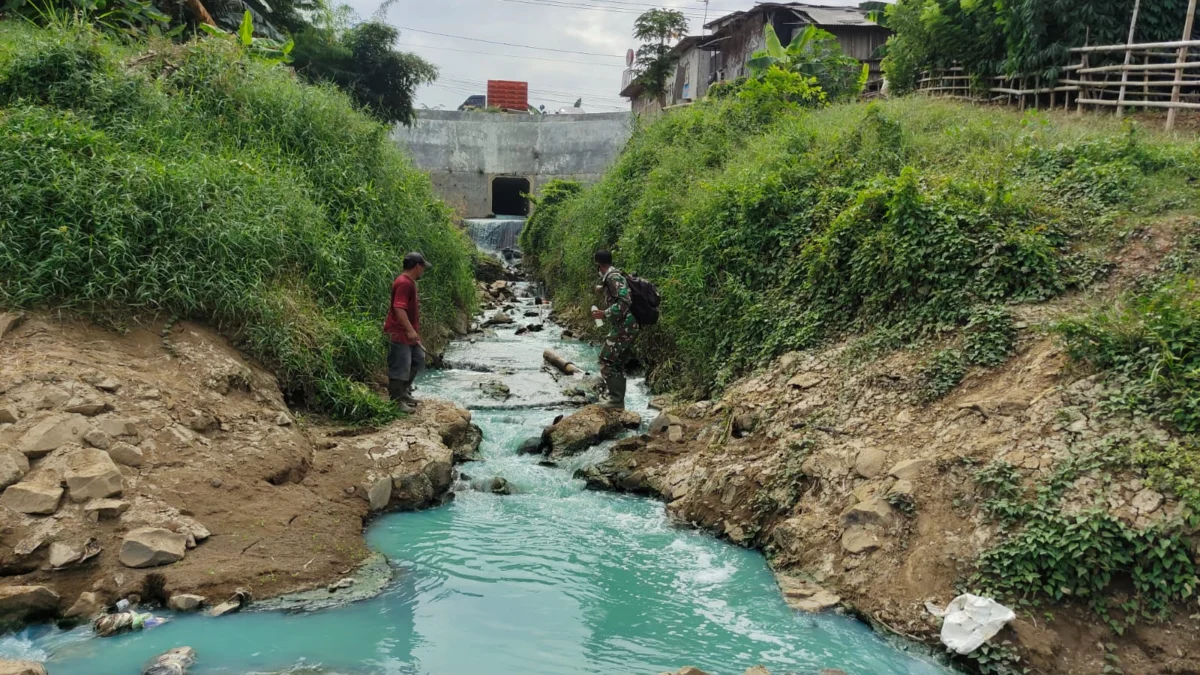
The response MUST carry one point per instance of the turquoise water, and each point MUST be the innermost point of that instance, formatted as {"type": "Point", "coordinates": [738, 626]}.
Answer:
{"type": "Point", "coordinates": [553, 580]}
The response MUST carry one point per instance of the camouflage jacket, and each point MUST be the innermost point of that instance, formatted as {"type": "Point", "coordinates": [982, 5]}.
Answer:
{"type": "Point", "coordinates": [618, 299]}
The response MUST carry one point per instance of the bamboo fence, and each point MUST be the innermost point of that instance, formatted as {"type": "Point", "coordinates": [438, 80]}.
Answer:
{"type": "Point", "coordinates": [1154, 75]}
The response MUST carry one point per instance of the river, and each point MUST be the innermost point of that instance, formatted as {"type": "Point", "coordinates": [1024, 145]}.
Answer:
{"type": "Point", "coordinates": [552, 580]}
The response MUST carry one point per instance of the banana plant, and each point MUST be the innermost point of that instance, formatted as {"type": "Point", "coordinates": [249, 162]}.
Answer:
{"type": "Point", "coordinates": [777, 55]}
{"type": "Point", "coordinates": [272, 51]}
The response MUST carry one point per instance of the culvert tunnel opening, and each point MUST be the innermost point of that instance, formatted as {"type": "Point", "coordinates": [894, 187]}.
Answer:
{"type": "Point", "coordinates": [508, 196]}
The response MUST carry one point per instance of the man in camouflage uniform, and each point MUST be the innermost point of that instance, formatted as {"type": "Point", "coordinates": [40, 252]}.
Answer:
{"type": "Point", "coordinates": [623, 328]}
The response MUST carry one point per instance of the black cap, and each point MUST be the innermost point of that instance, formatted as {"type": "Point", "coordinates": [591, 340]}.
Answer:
{"type": "Point", "coordinates": [413, 259]}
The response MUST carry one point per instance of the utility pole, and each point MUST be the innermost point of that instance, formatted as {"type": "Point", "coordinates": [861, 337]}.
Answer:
{"type": "Point", "coordinates": [1180, 60]}
{"type": "Point", "coordinates": [1128, 57]}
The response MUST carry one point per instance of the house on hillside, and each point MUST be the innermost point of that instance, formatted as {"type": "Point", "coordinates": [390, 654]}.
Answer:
{"type": "Point", "coordinates": [707, 59]}
{"type": "Point", "coordinates": [735, 37]}
{"type": "Point", "coordinates": [691, 78]}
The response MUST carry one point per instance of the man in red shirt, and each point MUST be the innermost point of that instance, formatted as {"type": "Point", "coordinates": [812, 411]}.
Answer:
{"type": "Point", "coordinates": [406, 354]}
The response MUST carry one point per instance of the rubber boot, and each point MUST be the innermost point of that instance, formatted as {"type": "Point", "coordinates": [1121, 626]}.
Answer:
{"type": "Point", "coordinates": [616, 392]}
{"type": "Point", "coordinates": [406, 394]}
{"type": "Point", "coordinates": [397, 391]}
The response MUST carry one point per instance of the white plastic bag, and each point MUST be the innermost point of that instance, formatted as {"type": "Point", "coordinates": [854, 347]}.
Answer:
{"type": "Point", "coordinates": [969, 621]}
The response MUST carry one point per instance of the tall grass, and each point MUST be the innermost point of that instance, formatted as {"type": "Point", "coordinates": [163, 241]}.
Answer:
{"type": "Point", "coordinates": [767, 233]}
{"type": "Point", "coordinates": [197, 182]}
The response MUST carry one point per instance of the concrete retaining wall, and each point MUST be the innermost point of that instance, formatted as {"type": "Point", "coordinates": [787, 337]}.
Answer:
{"type": "Point", "coordinates": [464, 151]}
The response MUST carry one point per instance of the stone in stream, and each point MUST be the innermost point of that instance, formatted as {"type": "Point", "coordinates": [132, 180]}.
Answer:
{"type": "Point", "coordinates": [530, 446]}
{"type": "Point", "coordinates": [87, 606]}
{"type": "Point", "coordinates": [174, 662]}
{"type": "Point", "coordinates": [241, 597]}
{"type": "Point", "coordinates": [185, 602]}
{"type": "Point", "coordinates": [21, 668]}
{"type": "Point", "coordinates": [20, 604]}
{"type": "Point", "coordinates": [576, 433]}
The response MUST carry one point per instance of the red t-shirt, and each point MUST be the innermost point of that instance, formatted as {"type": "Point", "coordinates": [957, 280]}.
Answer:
{"type": "Point", "coordinates": [404, 296]}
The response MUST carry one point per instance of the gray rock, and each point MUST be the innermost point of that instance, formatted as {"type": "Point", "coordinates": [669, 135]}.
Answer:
{"type": "Point", "coordinates": [1146, 501]}
{"type": "Point", "coordinates": [13, 467]}
{"type": "Point", "coordinates": [530, 446]}
{"type": "Point", "coordinates": [909, 468]}
{"type": "Point", "coordinates": [91, 474]}
{"type": "Point", "coordinates": [379, 493]}
{"type": "Point", "coordinates": [10, 321]}
{"type": "Point", "coordinates": [97, 439]}
{"type": "Point", "coordinates": [804, 595]}
{"type": "Point", "coordinates": [858, 539]}
{"type": "Point", "coordinates": [870, 462]}
{"type": "Point", "coordinates": [341, 584]}
{"type": "Point", "coordinates": [105, 509]}
{"type": "Point", "coordinates": [874, 511]}
{"type": "Point", "coordinates": [185, 602]}
{"type": "Point", "coordinates": [52, 433]}
{"type": "Point", "coordinates": [8, 415]}
{"type": "Point", "coordinates": [116, 427]}
{"type": "Point", "coordinates": [63, 554]}
{"type": "Point", "coordinates": [19, 604]}
{"type": "Point", "coordinates": [590, 425]}
{"type": "Point", "coordinates": [173, 662]}
{"type": "Point", "coordinates": [126, 454]}
{"type": "Point", "coordinates": [241, 598]}
{"type": "Point", "coordinates": [32, 499]}
{"type": "Point", "coordinates": [102, 382]}
{"type": "Point", "coordinates": [89, 408]}
{"type": "Point", "coordinates": [87, 606]}
{"type": "Point", "coordinates": [151, 547]}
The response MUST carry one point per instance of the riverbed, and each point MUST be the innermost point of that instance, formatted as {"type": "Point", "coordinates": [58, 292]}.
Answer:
{"type": "Point", "coordinates": [550, 580]}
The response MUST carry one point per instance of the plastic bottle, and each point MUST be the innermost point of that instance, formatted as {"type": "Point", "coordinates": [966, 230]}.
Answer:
{"type": "Point", "coordinates": [599, 322]}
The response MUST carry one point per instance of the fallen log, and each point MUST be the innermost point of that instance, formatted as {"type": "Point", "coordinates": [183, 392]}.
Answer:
{"type": "Point", "coordinates": [560, 363]}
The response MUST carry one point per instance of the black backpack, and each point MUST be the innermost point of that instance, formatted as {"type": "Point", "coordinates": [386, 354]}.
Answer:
{"type": "Point", "coordinates": [645, 300]}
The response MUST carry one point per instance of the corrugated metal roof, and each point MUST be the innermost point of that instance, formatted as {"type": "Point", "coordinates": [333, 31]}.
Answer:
{"type": "Point", "coordinates": [833, 16]}
{"type": "Point", "coordinates": [820, 15]}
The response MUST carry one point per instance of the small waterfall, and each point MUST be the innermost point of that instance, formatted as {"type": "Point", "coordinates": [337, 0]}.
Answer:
{"type": "Point", "coordinates": [494, 234]}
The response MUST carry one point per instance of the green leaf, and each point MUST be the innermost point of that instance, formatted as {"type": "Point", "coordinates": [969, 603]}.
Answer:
{"type": "Point", "coordinates": [246, 30]}
{"type": "Point", "coordinates": [774, 48]}
{"type": "Point", "coordinates": [212, 30]}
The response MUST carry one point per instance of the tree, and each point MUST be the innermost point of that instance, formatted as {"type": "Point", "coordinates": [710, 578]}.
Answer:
{"type": "Point", "coordinates": [360, 59]}
{"type": "Point", "coordinates": [655, 64]}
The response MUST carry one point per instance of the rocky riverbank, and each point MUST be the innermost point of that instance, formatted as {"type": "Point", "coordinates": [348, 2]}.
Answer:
{"type": "Point", "coordinates": [865, 498]}
{"type": "Point", "coordinates": [159, 462]}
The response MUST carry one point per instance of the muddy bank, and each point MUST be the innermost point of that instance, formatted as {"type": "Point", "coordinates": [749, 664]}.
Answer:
{"type": "Point", "coordinates": [842, 478]}
{"type": "Point", "coordinates": [168, 453]}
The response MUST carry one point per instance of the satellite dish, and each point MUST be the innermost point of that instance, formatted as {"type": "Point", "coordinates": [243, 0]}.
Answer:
{"type": "Point", "coordinates": [629, 58]}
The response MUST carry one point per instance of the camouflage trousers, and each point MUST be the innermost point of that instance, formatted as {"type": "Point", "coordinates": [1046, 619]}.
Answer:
{"type": "Point", "coordinates": [616, 351]}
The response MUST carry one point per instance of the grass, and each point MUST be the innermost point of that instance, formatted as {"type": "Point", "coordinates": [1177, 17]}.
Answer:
{"type": "Point", "coordinates": [196, 181]}
{"type": "Point", "coordinates": [772, 232]}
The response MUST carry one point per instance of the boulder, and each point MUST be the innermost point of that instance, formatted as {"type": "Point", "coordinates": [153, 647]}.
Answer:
{"type": "Point", "coordinates": [126, 454]}
{"type": "Point", "coordinates": [806, 380]}
{"type": "Point", "coordinates": [51, 433]}
{"type": "Point", "coordinates": [185, 602]}
{"type": "Point", "coordinates": [87, 606]}
{"type": "Point", "coordinates": [530, 446]}
{"type": "Point", "coordinates": [91, 474]}
{"type": "Point", "coordinates": [858, 539]}
{"type": "Point", "coordinates": [105, 509]}
{"type": "Point", "coordinates": [21, 668]}
{"type": "Point", "coordinates": [874, 511]}
{"type": "Point", "coordinates": [13, 467]}
{"type": "Point", "coordinates": [909, 468]}
{"type": "Point", "coordinates": [587, 427]}
{"type": "Point", "coordinates": [151, 547]}
{"type": "Point", "coordinates": [8, 415]}
{"type": "Point", "coordinates": [379, 492]}
{"type": "Point", "coordinates": [902, 487]}
{"type": "Point", "coordinates": [870, 462]}
{"type": "Point", "coordinates": [20, 604]}
{"type": "Point", "coordinates": [31, 498]}
{"type": "Point", "coordinates": [10, 321]}
{"type": "Point", "coordinates": [115, 427]}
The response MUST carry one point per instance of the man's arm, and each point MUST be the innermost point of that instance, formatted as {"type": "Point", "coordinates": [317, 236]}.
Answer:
{"type": "Point", "coordinates": [401, 315]}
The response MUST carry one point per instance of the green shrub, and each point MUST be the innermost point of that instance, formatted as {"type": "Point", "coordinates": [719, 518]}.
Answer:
{"type": "Point", "coordinates": [1149, 341]}
{"type": "Point", "coordinates": [769, 229]}
{"type": "Point", "coordinates": [203, 183]}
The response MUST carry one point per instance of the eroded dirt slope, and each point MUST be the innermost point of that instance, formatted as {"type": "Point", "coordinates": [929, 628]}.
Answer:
{"type": "Point", "coordinates": [106, 434]}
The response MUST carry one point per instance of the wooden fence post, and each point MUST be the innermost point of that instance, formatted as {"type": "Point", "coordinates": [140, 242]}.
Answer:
{"type": "Point", "coordinates": [1180, 59]}
{"type": "Point", "coordinates": [1128, 57]}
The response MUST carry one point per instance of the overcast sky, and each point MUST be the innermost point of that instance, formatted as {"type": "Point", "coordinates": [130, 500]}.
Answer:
{"type": "Point", "coordinates": [591, 36]}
